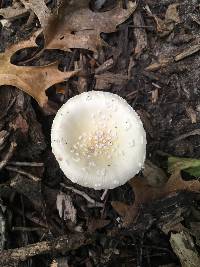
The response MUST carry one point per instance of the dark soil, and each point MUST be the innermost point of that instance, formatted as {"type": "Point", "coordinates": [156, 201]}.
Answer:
{"type": "Point", "coordinates": [167, 99]}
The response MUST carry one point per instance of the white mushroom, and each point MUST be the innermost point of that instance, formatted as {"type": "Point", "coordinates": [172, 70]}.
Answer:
{"type": "Point", "coordinates": [98, 140]}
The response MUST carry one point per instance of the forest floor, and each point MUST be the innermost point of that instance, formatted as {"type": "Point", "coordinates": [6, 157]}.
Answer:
{"type": "Point", "coordinates": [150, 57]}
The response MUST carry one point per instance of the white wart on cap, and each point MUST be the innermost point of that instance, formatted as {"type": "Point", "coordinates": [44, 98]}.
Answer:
{"type": "Point", "coordinates": [98, 140]}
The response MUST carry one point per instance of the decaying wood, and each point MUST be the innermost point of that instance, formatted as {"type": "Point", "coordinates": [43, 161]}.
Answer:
{"type": "Point", "coordinates": [152, 61]}
{"type": "Point", "coordinates": [8, 155]}
{"type": "Point", "coordinates": [184, 248]}
{"type": "Point", "coordinates": [188, 52]}
{"type": "Point", "coordinates": [144, 193]}
{"type": "Point", "coordinates": [140, 33]}
{"type": "Point", "coordinates": [165, 61]}
{"type": "Point", "coordinates": [105, 66]}
{"type": "Point", "coordinates": [63, 243]}
{"type": "Point", "coordinates": [104, 80]}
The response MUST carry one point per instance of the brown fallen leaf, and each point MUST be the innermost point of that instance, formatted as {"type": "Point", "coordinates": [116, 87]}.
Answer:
{"type": "Point", "coordinates": [154, 175]}
{"type": "Point", "coordinates": [15, 11]}
{"type": "Point", "coordinates": [34, 80]}
{"type": "Point", "coordinates": [75, 25]}
{"type": "Point", "coordinates": [144, 193]}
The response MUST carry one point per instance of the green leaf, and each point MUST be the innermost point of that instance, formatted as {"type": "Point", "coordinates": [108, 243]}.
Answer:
{"type": "Point", "coordinates": [191, 166]}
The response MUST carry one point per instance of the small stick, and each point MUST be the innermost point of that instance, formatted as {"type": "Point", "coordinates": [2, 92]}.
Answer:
{"type": "Point", "coordinates": [29, 175]}
{"type": "Point", "coordinates": [8, 155]}
{"type": "Point", "coordinates": [104, 194]}
{"type": "Point", "coordinates": [105, 66]}
{"type": "Point", "coordinates": [28, 164]}
{"type": "Point", "coordinates": [66, 243]}
{"type": "Point", "coordinates": [28, 229]}
{"type": "Point", "coordinates": [83, 194]}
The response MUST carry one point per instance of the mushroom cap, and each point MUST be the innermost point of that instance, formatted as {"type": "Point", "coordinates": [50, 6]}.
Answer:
{"type": "Point", "coordinates": [98, 140]}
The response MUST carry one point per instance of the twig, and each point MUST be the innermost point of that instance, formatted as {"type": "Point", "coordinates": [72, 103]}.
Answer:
{"type": "Point", "coordinates": [105, 66]}
{"type": "Point", "coordinates": [140, 27]}
{"type": "Point", "coordinates": [183, 136]}
{"type": "Point", "coordinates": [66, 243]}
{"type": "Point", "coordinates": [104, 194]}
{"type": "Point", "coordinates": [8, 155]}
{"type": "Point", "coordinates": [28, 229]}
{"type": "Point", "coordinates": [3, 136]}
{"type": "Point", "coordinates": [28, 164]}
{"type": "Point", "coordinates": [83, 194]}
{"type": "Point", "coordinates": [5, 113]}
{"type": "Point", "coordinates": [29, 175]}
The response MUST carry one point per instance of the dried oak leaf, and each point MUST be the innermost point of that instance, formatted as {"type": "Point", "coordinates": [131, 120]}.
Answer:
{"type": "Point", "coordinates": [144, 193]}
{"type": "Point", "coordinates": [15, 11]}
{"type": "Point", "coordinates": [75, 25]}
{"type": "Point", "coordinates": [34, 80]}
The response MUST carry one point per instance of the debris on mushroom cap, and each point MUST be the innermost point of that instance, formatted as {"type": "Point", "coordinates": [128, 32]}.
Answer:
{"type": "Point", "coordinates": [98, 140]}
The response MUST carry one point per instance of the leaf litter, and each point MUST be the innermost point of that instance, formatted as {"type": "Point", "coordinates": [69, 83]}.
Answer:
{"type": "Point", "coordinates": [75, 25]}
{"type": "Point", "coordinates": [34, 80]}
{"type": "Point", "coordinates": [145, 193]}
{"type": "Point", "coordinates": [89, 38]}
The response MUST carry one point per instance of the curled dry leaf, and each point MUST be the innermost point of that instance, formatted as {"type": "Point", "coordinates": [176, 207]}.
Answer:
{"type": "Point", "coordinates": [34, 80]}
{"type": "Point", "coordinates": [75, 25]}
{"type": "Point", "coordinates": [144, 193]}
